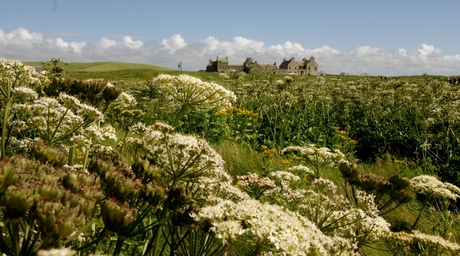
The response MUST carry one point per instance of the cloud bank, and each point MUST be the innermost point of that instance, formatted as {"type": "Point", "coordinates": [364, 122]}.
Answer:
{"type": "Point", "coordinates": [25, 45]}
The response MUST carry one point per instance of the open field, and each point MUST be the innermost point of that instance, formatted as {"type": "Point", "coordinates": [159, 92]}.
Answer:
{"type": "Point", "coordinates": [104, 66]}
{"type": "Point", "coordinates": [196, 163]}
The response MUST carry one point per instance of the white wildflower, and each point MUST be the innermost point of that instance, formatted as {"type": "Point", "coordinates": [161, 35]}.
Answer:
{"type": "Point", "coordinates": [429, 241]}
{"type": "Point", "coordinates": [126, 99]}
{"type": "Point", "coordinates": [432, 187]}
{"type": "Point", "coordinates": [194, 93]}
{"type": "Point", "coordinates": [287, 231]}
{"type": "Point", "coordinates": [282, 175]}
{"type": "Point", "coordinates": [25, 91]}
{"type": "Point", "coordinates": [301, 168]}
{"type": "Point", "coordinates": [56, 252]}
{"type": "Point", "coordinates": [184, 156]}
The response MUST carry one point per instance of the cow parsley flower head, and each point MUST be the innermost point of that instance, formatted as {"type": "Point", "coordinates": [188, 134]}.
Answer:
{"type": "Point", "coordinates": [193, 92]}
{"type": "Point", "coordinates": [183, 156]}
{"type": "Point", "coordinates": [26, 91]}
{"type": "Point", "coordinates": [431, 187]}
{"type": "Point", "coordinates": [282, 175]}
{"type": "Point", "coordinates": [56, 120]}
{"type": "Point", "coordinates": [317, 157]}
{"type": "Point", "coordinates": [301, 168]}
{"type": "Point", "coordinates": [430, 242]}
{"type": "Point", "coordinates": [16, 74]}
{"type": "Point", "coordinates": [286, 232]}
{"type": "Point", "coordinates": [56, 252]}
{"type": "Point", "coordinates": [126, 100]}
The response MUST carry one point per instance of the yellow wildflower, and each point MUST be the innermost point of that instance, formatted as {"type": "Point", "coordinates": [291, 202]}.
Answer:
{"type": "Point", "coordinates": [286, 161]}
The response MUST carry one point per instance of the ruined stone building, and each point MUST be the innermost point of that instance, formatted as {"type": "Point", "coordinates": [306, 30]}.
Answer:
{"type": "Point", "coordinates": [288, 67]}
{"type": "Point", "coordinates": [301, 68]}
{"type": "Point", "coordinates": [221, 65]}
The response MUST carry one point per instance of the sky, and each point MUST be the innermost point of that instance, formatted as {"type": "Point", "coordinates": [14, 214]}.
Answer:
{"type": "Point", "coordinates": [390, 38]}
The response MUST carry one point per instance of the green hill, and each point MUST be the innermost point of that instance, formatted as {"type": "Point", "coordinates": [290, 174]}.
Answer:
{"type": "Point", "coordinates": [111, 71]}
{"type": "Point", "coordinates": [104, 66]}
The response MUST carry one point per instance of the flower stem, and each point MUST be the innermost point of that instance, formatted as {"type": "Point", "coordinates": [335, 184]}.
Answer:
{"type": "Point", "coordinates": [6, 111]}
{"type": "Point", "coordinates": [180, 114]}
{"type": "Point", "coordinates": [119, 245]}
{"type": "Point", "coordinates": [419, 215]}
{"type": "Point", "coordinates": [157, 240]}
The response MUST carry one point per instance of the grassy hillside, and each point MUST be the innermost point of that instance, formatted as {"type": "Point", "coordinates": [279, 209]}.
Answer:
{"type": "Point", "coordinates": [111, 71]}
{"type": "Point", "coordinates": [104, 66]}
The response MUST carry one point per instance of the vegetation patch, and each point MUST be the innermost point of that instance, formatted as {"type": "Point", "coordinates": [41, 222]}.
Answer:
{"type": "Point", "coordinates": [183, 163]}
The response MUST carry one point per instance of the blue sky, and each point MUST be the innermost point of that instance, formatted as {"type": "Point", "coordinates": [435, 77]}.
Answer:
{"type": "Point", "coordinates": [404, 37]}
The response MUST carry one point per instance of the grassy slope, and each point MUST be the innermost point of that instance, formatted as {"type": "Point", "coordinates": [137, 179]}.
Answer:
{"type": "Point", "coordinates": [111, 71]}
{"type": "Point", "coordinates": [104, 66]}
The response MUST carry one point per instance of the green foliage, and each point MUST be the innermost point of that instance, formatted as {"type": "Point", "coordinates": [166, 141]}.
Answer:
{"type": "Point", "coordinates": [164, 190]}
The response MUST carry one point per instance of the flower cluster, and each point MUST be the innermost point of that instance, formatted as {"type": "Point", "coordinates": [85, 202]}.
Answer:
{"type": "Point", "coordinates": [17, 74]}
{"type": "Point", "coordinates": [255, 185]}
{"type": "Point", "coordinates": [57, 199]}
{"type": "Point", "coordinates": [320, 156]}
{"type": "Point", "coordinates": [181, 157]}
{"type": "Point", "coordinates": [194, 93]}
{"type": "Point", "coordinates": [57, 120]}
{"type": "Point", "coordinates": [281, 230]}
{"type": "Point", "coordinates": [431, 187]}
{"type": "Point", "coordinates": [316, 157]}
{"type": "Point", "coordinates": [282, 175]}
{"type": "Point", "coordinates": [301, 169]}
{"type": "Point", "coordinates": [434, 245]}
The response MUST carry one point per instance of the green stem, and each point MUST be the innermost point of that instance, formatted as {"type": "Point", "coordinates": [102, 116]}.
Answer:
{"type": "Point", "coordinates": [124, 139]}
{"type": "Point", "coordinates": [15, 237]}
{"type": "Point", "coordinates": [105, 233]}
{"type": "Point", "coordinates": [181, 114]}
{"type": "Point", "coordinates": [76, 234]}
{"type": "Point", "coordinates": [119, 245]}
{"type": "Point", "coordinates": [419, 216]}
{"type": "Point", "coordinates": [3, 245]}
{"type": "Point", "coordinates": [258, 249]}
{"type": "Point", "coordinates": [85, 160]}
{"type": "Point", "coordinates": [70, 160]}
{"type": "Point", "coordinates": [6, 111]}
{"type": "Point", "coordinates": [157, 240]}
{"type": "Point", "coordinates": [388, 211]}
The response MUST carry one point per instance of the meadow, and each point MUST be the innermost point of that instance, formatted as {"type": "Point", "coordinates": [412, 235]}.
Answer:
{"type": "Point", "coordinates": [128, 159]}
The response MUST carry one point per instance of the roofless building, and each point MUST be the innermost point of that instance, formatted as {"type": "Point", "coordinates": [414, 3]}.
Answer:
{"type": "Point", "coordinates": [289, 67]}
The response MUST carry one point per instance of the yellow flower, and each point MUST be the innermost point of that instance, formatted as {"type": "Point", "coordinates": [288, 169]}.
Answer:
{"type": "Point", "coordinates": [220, 113]}
{"type": "Point", "coordinates": [286, 161]}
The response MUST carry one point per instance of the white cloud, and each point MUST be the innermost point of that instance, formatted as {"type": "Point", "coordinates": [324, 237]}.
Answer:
{"type": "Point", "coordinates": [427, 50]}
{"type": "Point", "coordinates": [326, 50]}
{"type": "Point", "coordinates": [23, 35]}
{"type": "Point", "coordinates": [127, 42]}
{"type": "Point", "coordinates": [365, 51]}
{"type": "Point", "coordinates": [173, 44]}
{"type": "Point", "coordinates": [106, 43]}
{"type": "Point", "coordinates": [26, 45]}
{"type": "Point", "coordinates": [132, 44]}
{"type": "Point", "coordinates": [74, 46]}
{"type": "Point", "coordinates": [402, 52]}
